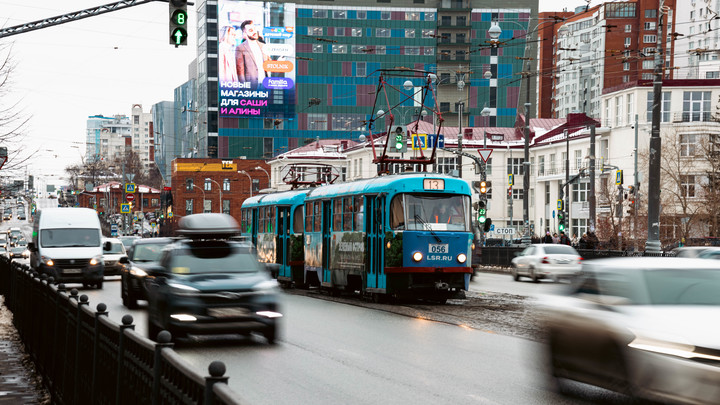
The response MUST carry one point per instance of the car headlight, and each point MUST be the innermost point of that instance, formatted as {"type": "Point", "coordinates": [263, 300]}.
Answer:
{"type": "Point", "coordinates": [48, 261]}
{"type": "Point", "coordinates": [26, 253]}
{"type": "Point", "coordinates": [182, 289]}
{"type": "Point", "coordinates": [461, 258]}
{"type": "Point", "coordinates": [266, 286]}
{"type": "Point", "coordinates": [96, 260]}
{"type": "Point", "coordinates": [138, 272]}
{"type": "Point", "coordinates": [417, 256]}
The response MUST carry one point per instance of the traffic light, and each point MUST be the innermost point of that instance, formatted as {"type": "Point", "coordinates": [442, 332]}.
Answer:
{"type": "Point", "coordinates": [482, 212]}
{"type": "Point", "coordinates": [399, 137]}
{"type": "Point", "coordinates": [488, 223]}
{"type": "Point", "coordinates": [561, 221]}
{"type": "Point", "coordinates": [483, 187]}
{"type": "Point", "coordinates": [631, 207]}
{"type": "Point", "coordinates": [178, 22]}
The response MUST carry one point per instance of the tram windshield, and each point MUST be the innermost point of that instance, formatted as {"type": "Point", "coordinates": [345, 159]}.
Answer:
{"type": "Point", "coordinates": [417, 212]}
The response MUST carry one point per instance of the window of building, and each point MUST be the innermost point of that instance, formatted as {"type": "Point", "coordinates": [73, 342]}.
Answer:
{"type": "Point", "coordinates": [316, 31]}
{"type": "Point", "coordinates": [317, 48]}
{"type": "Point", "coordinates": [650, 26]}
{"type": "Point", "coordinates": [688, 143]}
{"type": "Point", "coordinates": [648, 76]}
{"type": "Point", "coordinates": [687, 185]}
{"type": "Point", "coordinates": [649, 39]}
{"type": "Point", "coordinates": [357, 49]}
{"type": "Point", "coordinates": [517, 193]}
{"type": "Point", "coordinates": [360, 69]}
{"type": "Point", "coordinates": [428, 51]}
{"type": "Point", "coordinates": [446, 20]}
{"type": "Point", "coordinates": [541, 165]}
{"type": "Point", "coordinates": [189, 184]}
{"type": "Point", "coordinates": [361, 14]}
{"type": "Point", "coordinates": [226, 207]}
{"type": "Point", "coordinates": [385, 15]}
{"type": "Point", "coordinates": [626, 65]}
{"type": "Point", "coordinates": [356, 32]}
{"type": "Point", "coordinates": [317, 122]}
{"type": "Point", "coordinates": [382, 32]}
{"type": "Point", "coordinates": [339, 14]}
{"type": "Point", "coordinates": [428, 33]}
{"type": "Point", "coordinates": [339, 31]}
{"type": "Point", "coordinates": [696, 106]}
{"type": "Point", "coordinates": [319, 13]}
{"type": "Point", "coordinates": [380, 49]}
{"type": "Point", "coordinates": [628, 42]}
{"type": "Point", "coordinates": [651, 13]}
{"type": "Point", "coordinates": [207, 206]}
{"type": "Point", "coordinates": [618, 111]}
{"type": "Point", "coordinates": [648, 64]}
{"type": "Point", "coordinates": [628, 27]}
{"type": "Point", "coordinates": [188, 207]}
{"type": "Point", "coordinates": [515, 166]}
{"type": "Point", "coordinates": [409, 33]}
{"type": "Point", "coordinates": [429, 16]}
{"type": "Point", "coordinates": [412, 16]}
{"type": "Point", "coordinates": [226, 185]}
{"type": "Point", "coordinates": [412, 50]}
{"type": "Point", "coordinates": [547, 193]}
{"type": "Point", "coordinates": [461, 21]}
{"type": "Point", "coordinates": [337, 48]}
{"type": "Point", "coordinates": [208, 185]}
{"type": "Point", "coordinates": [580, 191]}
{"type": "Point", "coordinates": [629, 109]}
{"type": "Point", "coordinates": [444, 107]}
{"type": "Point", "coordinates": [446, 164]}
{"type": "Point", "coordinates": [578, 159]}
{"type": "Point", "coordinates": [712, 75]}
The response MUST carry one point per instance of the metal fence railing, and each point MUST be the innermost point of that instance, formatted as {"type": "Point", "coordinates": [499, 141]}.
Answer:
{"type": "Point", "coordinates": [501, 256]}
{"type": "Point", "coordinates": [84, 357]}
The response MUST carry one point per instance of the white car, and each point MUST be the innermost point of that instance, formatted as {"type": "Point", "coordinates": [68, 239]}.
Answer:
{"type": "Point", "coordinates": [112, 256]}
{"type": "Point", "coordinates": [546, 261]}
{"type": "Point", "coordinates": [643, 326]}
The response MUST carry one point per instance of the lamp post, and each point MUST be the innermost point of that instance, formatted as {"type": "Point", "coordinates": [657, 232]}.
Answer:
{"type": "Point", "coordinates": [249, 178]}
{"type": "Point", "coordinates": [219, 190]}
{"type": "Point", "coordinates": [203, 191]}
{"type": "Point", "coordinates": [266, 173]}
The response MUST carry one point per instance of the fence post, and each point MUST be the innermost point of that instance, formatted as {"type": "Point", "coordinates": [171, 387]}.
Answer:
{"type": "Point", "coordinates": [78, 327]}
{"type": "Point", "coordinates": [163, 340]}
{"type": "Point", "coordinates": [127, 321]}
{"type": "Point", "coordinates": [217, 372]}
{"type": "Point", "coordinates": [101, 311]}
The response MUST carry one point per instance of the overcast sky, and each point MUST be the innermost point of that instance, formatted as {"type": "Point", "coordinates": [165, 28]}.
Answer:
{"type": "Point", "coordinates": [99, 65]}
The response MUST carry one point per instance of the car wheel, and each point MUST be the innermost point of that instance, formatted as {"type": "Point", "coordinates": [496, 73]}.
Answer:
{"type": "Point", "coordinates": [515, 274]}
{"type": "Point", "coordinates": [99, 285]}
{"type": "Point", "coordinates": [534, 275]}
{"type": "Point", "coordinates": [270, 334]}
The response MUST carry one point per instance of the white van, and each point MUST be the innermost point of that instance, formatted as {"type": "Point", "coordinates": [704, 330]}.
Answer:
{"type": "Point", "coordinates": [67, 245]}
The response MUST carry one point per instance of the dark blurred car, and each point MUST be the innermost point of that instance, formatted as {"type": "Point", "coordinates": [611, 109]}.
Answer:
{"type": "Point", "coordinates": [127, 241]}
{"type": "Point", "coordinates": [143, 253]}
{"type": "Point", "coordinates": [211, 284]}
{"type": "Point", "coordinates": [646, 327]}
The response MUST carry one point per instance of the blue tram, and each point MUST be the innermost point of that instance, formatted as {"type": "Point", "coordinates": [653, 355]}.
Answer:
{"type": "Point", "coordinates": [274, 222]}
{"type": "Point", "coordinates": [406, 235]}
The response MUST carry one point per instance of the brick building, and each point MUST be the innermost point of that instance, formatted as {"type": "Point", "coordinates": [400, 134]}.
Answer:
{"type": "Point", "coordinates": [199, 184]}
{"type": "Point", "coordinates": [106, 198]}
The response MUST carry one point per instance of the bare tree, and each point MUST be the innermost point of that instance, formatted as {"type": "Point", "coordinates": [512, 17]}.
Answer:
{"type": "Point", "coordinates": [710, 150]}
{"type": "Point", "coordinates": [13, 120]}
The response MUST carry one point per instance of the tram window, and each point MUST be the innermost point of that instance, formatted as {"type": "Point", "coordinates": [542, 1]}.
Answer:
{"type": "Point", "coordinates": [359, 214]}
{"type": "Point", "coordinates": [397, 214]}
{"type": "Point", "coordinates": [337, 214]}
{"type": "Point", "coordinates": [318, 216]}
{"type": "Point", "coordinates": [271, 220]}
{"type": "Point", "coordinates": [347, 214]}
{"type": "Point", "coordinates": [298, 220]}
{"type": "Point", "coordinates": [310, 217]}
{"type": "Point", "coordinates": [261, 219]}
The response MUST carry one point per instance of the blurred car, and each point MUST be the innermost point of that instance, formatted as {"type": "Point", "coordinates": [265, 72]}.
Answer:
{"type": "Point", "coordinates": [211, 284]}
{"type": "Point", "coordinates": [144, 252]}
{"type": "Point", "coordinates": [18, 252]}
{"type": "Point", "coordinates": [127, 241]}
{"type": "Point", "coordinates": [694, 251]}
{"type": "Point", "coordinates": [546, 261]}
{"type": "Point", "coordinates": [641, 326]}
{"type": "Point", "coordinates": [113, 250]}
{"type": "Point", "coordinates": [710, 254]}
{"type": "Point", "coordinates": [3, 241]}
{"type": "Point", "coordinates": [7, 215]}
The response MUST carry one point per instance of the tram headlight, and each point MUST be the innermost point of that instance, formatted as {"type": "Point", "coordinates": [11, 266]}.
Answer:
{"type": "Point", "coordinates": [417, 256]}
{"type": "Point", "coordinates": [461, 258]}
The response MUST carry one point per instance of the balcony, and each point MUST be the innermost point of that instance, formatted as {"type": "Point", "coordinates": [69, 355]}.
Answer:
{"type": "Point", "coordinates": [694, 117]}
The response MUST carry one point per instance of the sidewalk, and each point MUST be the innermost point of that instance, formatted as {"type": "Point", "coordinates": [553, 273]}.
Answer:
{"type": "Point", "coordinates": [18, 382]}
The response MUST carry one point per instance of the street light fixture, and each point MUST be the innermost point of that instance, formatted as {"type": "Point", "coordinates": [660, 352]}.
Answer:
{"type": "Point", "coordinates": [249, 178]}
{"type": "Point", "coordinates": [266, 173]}
{"type": "Point", "coordinates": [220, 190]}
{"type": "Point", "coordinates": [203, 191]}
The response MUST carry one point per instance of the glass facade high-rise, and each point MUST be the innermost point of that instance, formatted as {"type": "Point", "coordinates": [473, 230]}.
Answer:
{"type": "Point", "coordinates": [339, 49]}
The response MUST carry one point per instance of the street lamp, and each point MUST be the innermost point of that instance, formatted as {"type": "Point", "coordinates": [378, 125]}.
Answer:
{"type": "Point", "coordinates": [249, 178]}
{"type": "Point", "coordinates": [220, 190]}
{"type": "Point", "coordinates": [203, 191]}
{"type": "Point", "coordinates": [266, 173]}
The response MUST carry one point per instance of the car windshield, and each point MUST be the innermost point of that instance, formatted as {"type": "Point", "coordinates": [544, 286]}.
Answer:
{"type": "Point", "coordinates": [73, 237]}
{"type": "Point", "coordinates": [115, 248]}
{"type": "Point", "coordinates": [683, 287]}
{"type": "Point", "coordinates": [560, 250]}
{"type": "Point", "coordinates": [147, 252]}
{"type": "Point", "coordinates": [18, 249]}
{"type": "Point", "coordinates": [214, 257]}
{"type": "Point", "coordinates": [418, 212]}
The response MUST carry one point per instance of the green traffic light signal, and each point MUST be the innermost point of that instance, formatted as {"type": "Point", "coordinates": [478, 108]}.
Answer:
{"type": "Point", "coordinates": [398, 142]}
{"type": "Point", "coordinates": [178, 22]}
{"type": "Point", "coordinates": [482, 215]}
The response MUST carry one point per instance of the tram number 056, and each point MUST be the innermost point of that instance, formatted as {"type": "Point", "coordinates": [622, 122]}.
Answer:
{"type": "Point", "coordinates": [434, 248]}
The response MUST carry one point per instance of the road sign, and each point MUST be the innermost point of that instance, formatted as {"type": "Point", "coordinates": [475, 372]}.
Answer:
{"type": "Point", "coordinates": [129, 197]}
{"type": "Point", "coordinates": [504, 231]}
{"type": "Point", "coordinates": [124, 208]}
{"type": "Point", "coordinates": [485, 154]}
{"type": "Point", "coordinates": [130, 187]}
{"type": "Point", "coordinates": [170, 214]}
{"type": "Point", "coordinates": [419, 141]}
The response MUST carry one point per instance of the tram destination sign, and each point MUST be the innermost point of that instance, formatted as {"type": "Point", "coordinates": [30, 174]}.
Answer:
{"type": "Point", "coordinates": [433, 184]}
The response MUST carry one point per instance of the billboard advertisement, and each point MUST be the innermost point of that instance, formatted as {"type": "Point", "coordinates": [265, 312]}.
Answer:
{"type": "Point", "coordinates": [256, 59]}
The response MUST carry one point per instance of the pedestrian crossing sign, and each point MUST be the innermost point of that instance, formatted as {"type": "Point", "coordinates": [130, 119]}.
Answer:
{"type": "Point", "coordinates": [124, 208]}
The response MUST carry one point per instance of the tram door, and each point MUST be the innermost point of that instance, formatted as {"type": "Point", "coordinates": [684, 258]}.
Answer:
{"type": "Point", "coordinates": [254, 216]}
{"type": "Point", "coordinates": [326, 235]}
{"type": "Point", "coordinates": [374, 209]}
{"type": "Point", "coordinates": [282, 243]}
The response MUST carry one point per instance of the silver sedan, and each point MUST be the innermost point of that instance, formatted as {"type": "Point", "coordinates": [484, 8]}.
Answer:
{"type": "Point", "coordinates": [646, 327]}
{"type": "Point", "coordinates": [546, 261]}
